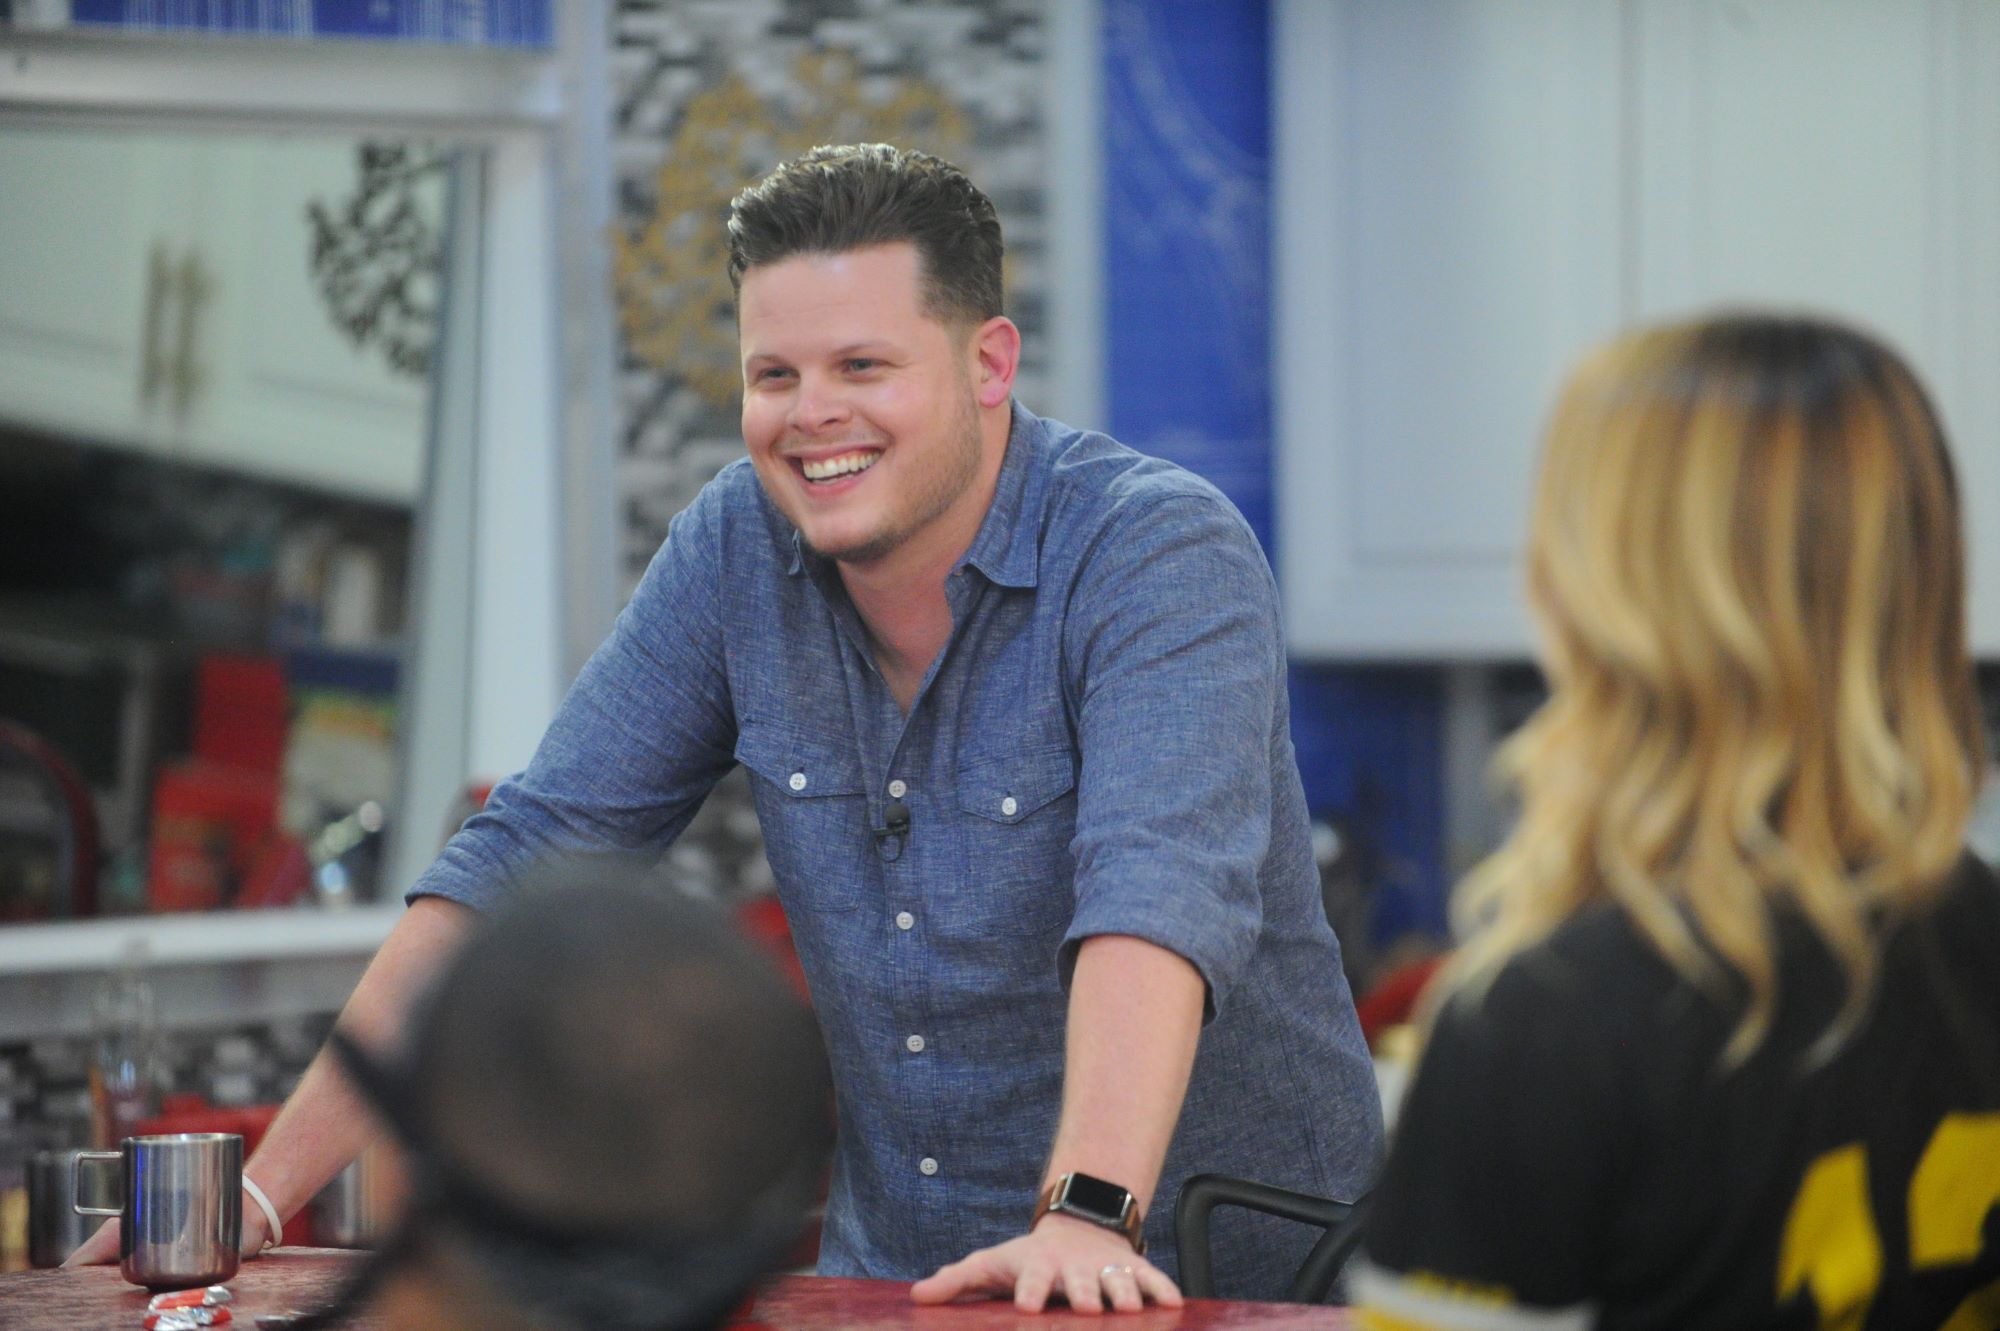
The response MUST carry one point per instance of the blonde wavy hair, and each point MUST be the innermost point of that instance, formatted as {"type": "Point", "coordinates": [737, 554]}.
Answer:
{"type": "Point", "coordinates": [1747, 563]}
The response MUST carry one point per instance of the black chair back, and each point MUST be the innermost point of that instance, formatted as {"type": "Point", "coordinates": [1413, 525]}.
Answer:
{"type": "Point", "coordinates": [1202, 1193]}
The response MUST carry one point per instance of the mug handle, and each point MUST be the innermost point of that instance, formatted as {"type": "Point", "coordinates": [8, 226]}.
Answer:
{"type": "Point", "coordinates": [83, 1158]}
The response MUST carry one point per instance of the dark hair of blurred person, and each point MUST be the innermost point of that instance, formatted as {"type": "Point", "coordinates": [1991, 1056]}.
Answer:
{"type": "Point", "coordinates": [614, 1113]}
{"type": "Point", "coordinates": [1722, 1047]}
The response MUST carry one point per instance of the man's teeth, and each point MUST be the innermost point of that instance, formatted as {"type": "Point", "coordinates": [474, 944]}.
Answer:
{"type": "Point", "coordinates": [843, 465]}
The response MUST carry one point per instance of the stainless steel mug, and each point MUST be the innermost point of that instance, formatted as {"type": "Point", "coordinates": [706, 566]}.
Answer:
{"type": "Point", "coordinates": [344, 1211]}
{"type": "Point", "coordinates": [55, 1230]}
{"type": "Point", "coordinates": [180, 1222]}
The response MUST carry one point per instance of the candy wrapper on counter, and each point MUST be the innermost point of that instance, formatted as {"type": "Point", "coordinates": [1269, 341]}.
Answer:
{"type": "Point", "coordinates": [189, 1309]}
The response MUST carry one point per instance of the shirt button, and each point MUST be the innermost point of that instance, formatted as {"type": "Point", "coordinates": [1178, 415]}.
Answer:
{"type": "Point", "coordinates": [897, 790]}
{"type": "Point", "coordinates": [798, 781]}
{"type": "Point", "coordinates": [1008, 806]}
{"type": "Point", "coordinates": [927, 1166]}
{"type": "Point", "coordinates": [905, 920]}
{"type": "Point", "coordinates": [915, 1044]}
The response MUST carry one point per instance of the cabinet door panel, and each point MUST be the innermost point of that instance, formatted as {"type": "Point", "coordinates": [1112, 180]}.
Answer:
{"type": "Point", "coordinates": [81, 215]}
{"type": "Point", "coordinates": [1968, 350]}
{"type": "Point", "coordinates": [1837, 158]}
{"type": "Point", "coordinates": [1467, 194]}
{"type": "Point", "coordinates": [1787, 159]}
{"type": "Point", "coordinates": [1448, 240]}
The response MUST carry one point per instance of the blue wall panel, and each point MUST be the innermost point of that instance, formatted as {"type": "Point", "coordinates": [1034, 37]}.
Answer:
{"type": "Point", "coordinates": [1371, 746]}
{"type": "Point", "coordinates": [1188, 377]}
{"type": "Point", "coordinates": [1187, 252]}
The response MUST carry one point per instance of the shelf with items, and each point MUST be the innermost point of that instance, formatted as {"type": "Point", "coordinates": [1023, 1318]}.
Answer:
{"type": "Point", "coordinates": [218, 657]}
{"type": "Point", "coordinates": [196, 938]}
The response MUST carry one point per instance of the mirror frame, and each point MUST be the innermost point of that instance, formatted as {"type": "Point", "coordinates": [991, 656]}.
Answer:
{"type": "Point", "coordinates": [515, 542]}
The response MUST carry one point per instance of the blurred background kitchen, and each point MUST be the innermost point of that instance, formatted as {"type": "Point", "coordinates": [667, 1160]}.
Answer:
{"type": "Point", "coordinates": [354, 355]}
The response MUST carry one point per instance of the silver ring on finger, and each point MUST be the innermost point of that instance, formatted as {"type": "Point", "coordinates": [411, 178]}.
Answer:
{"type": "Point", "coordinates": [1114, 1270]}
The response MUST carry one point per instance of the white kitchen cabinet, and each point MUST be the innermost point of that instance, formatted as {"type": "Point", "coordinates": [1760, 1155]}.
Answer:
{"type": "Point", "coordinates": [91, 225]}
{"type": "Point", "coordinates": [1447, 204]}
{"type": "Point", "coordinates": [1844, 159]}
{"type": "Point", "coordinates": [284, 390]}
{"type": "Point", "coordinates": [1468, 195]}
{"type": "Point", "coordinates": [156, 293]}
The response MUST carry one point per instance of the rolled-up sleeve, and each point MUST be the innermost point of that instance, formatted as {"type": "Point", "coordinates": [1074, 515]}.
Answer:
{"type": "Point", "coordinates": [1175, 665]}
{"type": "Point", "coordinates": [638, 742]}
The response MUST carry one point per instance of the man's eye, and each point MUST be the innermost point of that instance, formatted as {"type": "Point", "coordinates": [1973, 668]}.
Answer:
{"type": "Point", "coordinates": [861, 364]}
{"type": "Point", "coordinates": [767, 375]}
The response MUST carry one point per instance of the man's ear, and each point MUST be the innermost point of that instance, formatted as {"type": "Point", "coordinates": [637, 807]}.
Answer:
{"type": "Point", "coordinates": [996, 357]}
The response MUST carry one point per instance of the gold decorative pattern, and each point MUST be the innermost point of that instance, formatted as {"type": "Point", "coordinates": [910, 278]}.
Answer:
{"type": "Point", "coordinates": [670, 268]}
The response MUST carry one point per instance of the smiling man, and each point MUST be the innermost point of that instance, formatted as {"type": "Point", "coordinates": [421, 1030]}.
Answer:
{"type": "Point", "coordinates": [1012, 699]}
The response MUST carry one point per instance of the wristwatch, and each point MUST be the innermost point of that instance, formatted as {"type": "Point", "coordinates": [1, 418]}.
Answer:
{"type": "Point", "coordinates": [1090, 1198]}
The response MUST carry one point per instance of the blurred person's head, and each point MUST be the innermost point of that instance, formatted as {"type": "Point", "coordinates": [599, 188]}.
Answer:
{"type": "Point", "coordinates": [878, 370]}
{"type": "Point", "coordinates": [614, 1112]}
{"type": "Point", "coordinates": [1747, 563]}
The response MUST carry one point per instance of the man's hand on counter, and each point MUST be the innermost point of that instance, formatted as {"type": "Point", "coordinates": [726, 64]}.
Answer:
{"type": "Point", "coordinates": [1089, 1266]}
{"type": "Point", "coordinates": [98, 1249]}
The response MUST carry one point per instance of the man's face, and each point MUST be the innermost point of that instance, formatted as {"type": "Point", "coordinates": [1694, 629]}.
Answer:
{"type": "Point", "coordinates": [858, 407]}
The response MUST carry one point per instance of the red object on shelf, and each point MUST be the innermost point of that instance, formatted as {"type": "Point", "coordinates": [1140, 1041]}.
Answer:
{"type": "Point", "coordinates": [240, 712]}
{"type": "Point", "coordinates": [208, 822]}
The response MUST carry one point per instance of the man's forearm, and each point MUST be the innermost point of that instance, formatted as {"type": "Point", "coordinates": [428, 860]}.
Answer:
{"type": "Point", "coordinates": [324, 1125]}
{"type": "Point", "coordinates": [1134, 1020]}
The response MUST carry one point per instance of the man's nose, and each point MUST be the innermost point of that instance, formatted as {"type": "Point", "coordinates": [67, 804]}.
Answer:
{"type": "Point", "coordinates": [818, 405]}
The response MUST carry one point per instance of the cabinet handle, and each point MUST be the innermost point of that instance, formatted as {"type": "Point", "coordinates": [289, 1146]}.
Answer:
{"type": "Point", "coordinates": [195, 289]}
{"type": "Point", "coordinates": [159, 289]}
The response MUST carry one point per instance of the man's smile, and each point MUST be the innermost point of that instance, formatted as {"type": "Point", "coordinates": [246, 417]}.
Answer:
{"type": "Point", "coordinates": [820, 470]}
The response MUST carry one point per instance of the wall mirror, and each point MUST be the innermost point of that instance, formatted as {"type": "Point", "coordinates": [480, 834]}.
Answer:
{"type": "Point", "coordinates": [218, 352]}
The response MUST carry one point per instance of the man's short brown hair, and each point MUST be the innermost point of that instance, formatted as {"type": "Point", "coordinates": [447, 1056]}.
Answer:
{"type": "Point", "coordinates": [853, 196]}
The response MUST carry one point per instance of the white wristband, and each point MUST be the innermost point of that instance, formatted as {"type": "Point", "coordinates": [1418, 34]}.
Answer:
{"type": "Point", "coordinates": [276, 1233]}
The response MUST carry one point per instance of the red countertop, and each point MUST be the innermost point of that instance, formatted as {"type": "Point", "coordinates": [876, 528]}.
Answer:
{"type": "Point", "coordinates": [96, 1299]}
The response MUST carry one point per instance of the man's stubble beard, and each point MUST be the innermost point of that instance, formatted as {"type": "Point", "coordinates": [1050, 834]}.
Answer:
{"type": "Point", "coordinates": [959, 467]}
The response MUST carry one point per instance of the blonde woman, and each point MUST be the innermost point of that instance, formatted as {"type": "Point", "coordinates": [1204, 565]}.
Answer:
{"type": "Point", "coordinates": [1723, 1046]}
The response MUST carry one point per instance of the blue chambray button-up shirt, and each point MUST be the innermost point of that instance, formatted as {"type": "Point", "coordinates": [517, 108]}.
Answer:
{"type": "Point", "coordinates": [1101, 748]}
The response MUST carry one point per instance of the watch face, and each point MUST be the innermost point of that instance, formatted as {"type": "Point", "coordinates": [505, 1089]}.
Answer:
{"type": "Point", "coordinates": [1095, 1197]}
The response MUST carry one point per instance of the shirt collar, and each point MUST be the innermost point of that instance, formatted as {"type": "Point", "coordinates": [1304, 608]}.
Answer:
{"type": "Point", "coordinates": [1008, 545]}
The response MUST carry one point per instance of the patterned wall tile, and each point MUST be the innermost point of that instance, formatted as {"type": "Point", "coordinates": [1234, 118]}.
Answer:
{"type": "Point", "coordinates": [713, 93]}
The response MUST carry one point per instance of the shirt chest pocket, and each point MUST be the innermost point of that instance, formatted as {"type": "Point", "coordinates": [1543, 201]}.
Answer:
{"type": "Point", "coordinates": [813, 810]}
{"type": "Point", "coordinates": [1018, 811]}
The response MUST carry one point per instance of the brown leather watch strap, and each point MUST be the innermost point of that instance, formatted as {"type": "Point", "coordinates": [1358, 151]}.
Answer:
{"type": "Point", "coordinates": [1132, 1227]}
